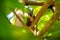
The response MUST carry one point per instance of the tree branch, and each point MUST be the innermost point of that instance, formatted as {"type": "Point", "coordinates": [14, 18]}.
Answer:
{"type": "Point", "coordinates": [34, 3]}
{"type": "Point", "coordinates": [52, 20]}
{"type": "Point", "coordinates": [40, 13]}
{"type": "Point", "coordinates": [26, 2]}
{"type": "Point", "coordinates": [23, 22]}
{"type": "Point", "coordinates": [47, 26]}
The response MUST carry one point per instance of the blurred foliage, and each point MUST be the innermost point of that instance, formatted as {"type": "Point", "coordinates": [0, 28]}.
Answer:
{"type": "Point", "coordinates": [9, 5]}
{"type": "Point", "coordinates": [58, 1]}
{"type": "Point", "coordinates": [12, 32]}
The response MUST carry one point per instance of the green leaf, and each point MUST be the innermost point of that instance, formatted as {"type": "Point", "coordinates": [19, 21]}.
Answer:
{"type": "Point", "coordinates": [36, 10]}
{"type": "Point", "coordinates": [58, 1]}
{"type": "Point", "coordinates": [54, 36]}
{"type": "Point", "coordinates": [54, 31]}
{"type": "Point", "coordinates": [4, 25]}
{"type": "Point", "coordinates": [55, 27]}
{"type": "Point", "coordinates": [9, 5]}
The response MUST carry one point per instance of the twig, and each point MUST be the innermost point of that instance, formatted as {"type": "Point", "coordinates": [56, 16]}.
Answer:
{"type": "Point", "coordinates": [34, 3]}
{"type": "Point", "coordinates": [23, 22]}
{"type": "Point", "coordinates": [40, 13]}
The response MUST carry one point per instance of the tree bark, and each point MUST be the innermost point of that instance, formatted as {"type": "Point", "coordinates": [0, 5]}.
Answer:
{"type": "Point", "coordinates": [52, 20]}
{"type": "Point", "coordinates": [40, 13]}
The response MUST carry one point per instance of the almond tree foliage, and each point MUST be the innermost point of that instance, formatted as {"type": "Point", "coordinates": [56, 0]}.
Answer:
{"type": "Point", "coordinates": [47, 21]}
